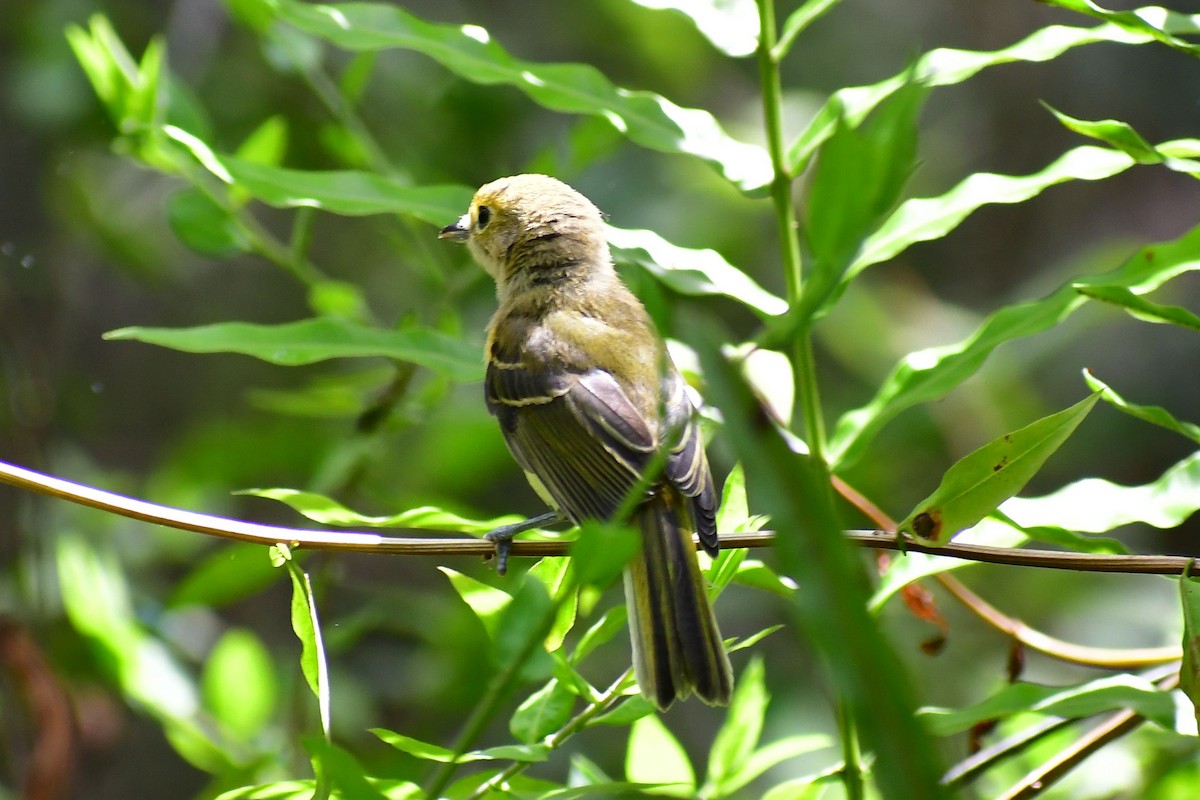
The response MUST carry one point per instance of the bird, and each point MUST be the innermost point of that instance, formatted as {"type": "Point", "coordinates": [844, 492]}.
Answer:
{"type": "Point", "coordinates": [591, 406]}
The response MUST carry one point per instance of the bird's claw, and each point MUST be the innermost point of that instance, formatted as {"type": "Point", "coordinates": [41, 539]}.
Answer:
{"type": "Point", "coordinates": [502, 537]}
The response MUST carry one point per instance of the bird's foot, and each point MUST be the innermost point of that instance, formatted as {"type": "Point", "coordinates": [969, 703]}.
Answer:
{"type": "Point", "coordinates": [502, 537]}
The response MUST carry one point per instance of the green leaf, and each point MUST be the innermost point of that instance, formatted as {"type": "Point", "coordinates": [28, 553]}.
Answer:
{"type": "Point", "coordinates": [798, 21]}
{"type": "Point", "coordinates": [328, 511]}
{"type": "Point", "coordinates": [628, 712]}
{"type": "Point", "coordinates": [929, 374]}
{"type": "Point", "coordinates": [603, 630]}
{"type": "Point", "coordinates": [980, 481]}
{"type": "Point", "coordinates": [1095, 505]}
{"type": "Point", "coordinates": [525, 753]}
{"type": "Point", "coordinates": [1115, 133]}
{"type": "Point", "coordinates": [924, 219]}
{"type": "Point", "coordinates": [555, 575]}
{"type": "Point", "coordinates": [1189, 670]}
{"type": "Point", "coordinates": [487, 602]}
{"type": "Point", "coordinates": [773, 754]}
{"type": "Point", "coordinates": [542, 713]}
{"type": "Point", "coordinates": [239, 683]}
{"type": "Point", "coordinates": [528, 618]}
{"type": "Point", "coordinates": [655, 756]}
{"type": "Point", "coordinates": [1098, 696]}
{"type": "Point", "coordinates": [415, 747]}
{"type": "Point", "coordinates": [753, 639]}
{"type": "Point", "coordinates": [469, 52]}
{"type": "Point", "coordinates": [1091, 505]}
{"type": "Point", "coordinates": [347, 192]}
{"type": "Point", "coordinates": [860, 173]}
{"type": "Point", "coordinates": [830, 587]}
{"type": "Point", "coordinates": [1155, 415]}
{"type": "Point", "coordinates": [266, 144]}
{"type": "Point", "coordinates": [1153, 23]}
{"type": "Point", "coordinates": [340, 772]}
{"type": "Point", "coordinates": [691, 272]}
{"type": "Point", "coordinates": [733, 516]}
{"type": "Point", "coordinates": [307, 626]}
{"type": "Point", "coordinates": [730, 25]}
{"type": "Point", "coordinates": [738, 737]}
{"type": "Point", "coordinates": [752, 572]}
{"type": "Point", "coordinates": [948, 67]}
{"type": "Point", "coordinates": [312, 340]}
{"type": "Point", "coordinates": [1141, 308]}
{"type": "Point", "coordinates": [601, 552]}
{"type": "Point", "coordinates": [204, 226]}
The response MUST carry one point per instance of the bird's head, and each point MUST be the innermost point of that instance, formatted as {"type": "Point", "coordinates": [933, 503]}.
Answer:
{"type": "Point", "coordinates": [522, 223]}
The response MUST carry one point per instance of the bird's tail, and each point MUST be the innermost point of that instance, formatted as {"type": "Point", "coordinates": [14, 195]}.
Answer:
{"type": "Point", "coordinates": [677, 648]}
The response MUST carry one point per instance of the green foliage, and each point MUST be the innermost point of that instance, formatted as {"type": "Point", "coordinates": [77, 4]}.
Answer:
{"type": "Point", "coordinates": [490, 681]}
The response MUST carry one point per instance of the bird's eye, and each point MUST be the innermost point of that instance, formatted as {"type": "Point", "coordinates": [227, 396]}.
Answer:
{"type": "Point", "coordinates": [482, 217]}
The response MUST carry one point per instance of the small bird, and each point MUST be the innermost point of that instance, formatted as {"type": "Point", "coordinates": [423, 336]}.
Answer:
{"type": "Point", "coordinates": [588, 401]}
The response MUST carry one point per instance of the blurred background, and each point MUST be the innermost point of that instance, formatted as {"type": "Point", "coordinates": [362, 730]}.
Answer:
{"type": "Point", "coordinates": [86, 247]}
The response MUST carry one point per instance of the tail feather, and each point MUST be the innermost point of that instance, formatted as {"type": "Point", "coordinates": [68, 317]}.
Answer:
{"type": "Point", "coordinates": [677, 648]}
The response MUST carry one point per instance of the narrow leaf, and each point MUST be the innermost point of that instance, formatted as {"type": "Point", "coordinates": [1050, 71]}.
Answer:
{"type": "Point", "coordinates": [980, 481]}
{"type": "Point", "coordinates": [487, 602]}
{"type": "Point", "coordinates": [731, 26]}
{"type": "Point", "coordinates": [1152, 23]}
{"type": "Point", "coordinates": [738, 737]}
{"type": "Point", "coordinates": [690, 271]}
{"type": "Point", "coordinates": [929, 374]}
{"type": "Point", "coordinates": [1140, 307]}
{"type": "Point", "coordinates": [328, 511]}
{"type": "Point", "coordinates": [468, 51]}
{"type": "Point", "coordinates": [859, 175]}
{"type": "Point", "coordinates": [924, 219]}
{"type": "Point", "coordinates": [1105, 694]}
{"type": "Point", "coordinates": [1115, 133]}
{"type": "Point", "coordinates": [308, 630]}
{"type": "Point", "coordinates": [1189, 670]}
{"type": "Point", "coordinates": [348, 192]}
{"type": "Point", "coordinates": [798, 21]}
{"type": "Point", "coordinates": [308, 341]}
{"type": "Point", "coordinates": [542, 713]}
{"type": "Point", "coordinates": [947, 67]}
{"type": "Point", "coordinates": [773, 754]}
{"type": "Point", "coordinates": [655, 756]}
{"type": "Point", "coordinates": [1095, 505]}
{"type": "Point", "coordinates": [1155, 415]}
{"type": "Point", "coordinates": [830, 586]}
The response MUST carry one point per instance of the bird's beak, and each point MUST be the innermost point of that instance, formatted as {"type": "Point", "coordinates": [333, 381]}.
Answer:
{"type": "Point", "coordinates": [459, 231]}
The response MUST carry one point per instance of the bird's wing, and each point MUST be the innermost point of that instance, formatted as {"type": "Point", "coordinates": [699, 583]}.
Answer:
{"type": "Point", "coordinates": [687, 465]}
{"type": "Point", "coordinates": [578, 434]}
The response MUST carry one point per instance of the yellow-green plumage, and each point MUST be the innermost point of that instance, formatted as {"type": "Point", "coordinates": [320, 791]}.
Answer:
{"type": "Point", "coordinates": [586, 396]}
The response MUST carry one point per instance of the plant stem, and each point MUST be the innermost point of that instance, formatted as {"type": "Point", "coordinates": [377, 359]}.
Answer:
{"type": "Point", "coordinates": [577, 723]}
{"type": "Point", "coordinates": [789, 237]}
{"type": "Point", "coordinates": [803, 362]}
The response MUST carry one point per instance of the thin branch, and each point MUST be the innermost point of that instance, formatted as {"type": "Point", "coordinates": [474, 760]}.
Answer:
{"type": "Point", "coordinates": [976, 764]}
{"type": "Point", "coordinates": [1132, 658]}
{"type": "Point", "coordinates": [1112, 728]}
{"type": "Point", "coordinates": [601, 704]}
{"type": "Point", "coordinates": [362, 541]}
